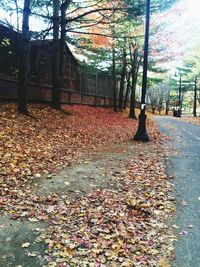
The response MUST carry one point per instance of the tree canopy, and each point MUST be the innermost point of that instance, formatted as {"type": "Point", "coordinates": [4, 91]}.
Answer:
{"type": "Point", "coordinates": [94, 28]}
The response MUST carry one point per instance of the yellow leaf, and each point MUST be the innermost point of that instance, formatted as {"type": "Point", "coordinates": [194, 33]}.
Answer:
{"type": "Point", "coordinates": [131, 202]}
{"type": "Point", "coordinates": [81, 214]}
{"type": "Point", "coordinates": [145, 205]}
{"type": "Point", "coordinates": [58, 246]}
{"type": "Point", "coordinates": [25, 245]}
{"type": "Point", "coordinates": [163, 263]}
{"type": "Point", "coordinates": [12, 211]}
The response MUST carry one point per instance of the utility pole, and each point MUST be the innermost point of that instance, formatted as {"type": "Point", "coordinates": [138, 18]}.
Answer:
{"type": "Point", "coordinates": [141, 134]}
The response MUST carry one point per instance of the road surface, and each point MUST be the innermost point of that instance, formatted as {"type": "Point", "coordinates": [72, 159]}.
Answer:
{"type": "Point", "coordinates": [185, 167]}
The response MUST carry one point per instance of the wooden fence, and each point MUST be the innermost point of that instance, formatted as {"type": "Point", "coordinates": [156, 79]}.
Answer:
{"type": "Point", "coordinates": [89, 92]}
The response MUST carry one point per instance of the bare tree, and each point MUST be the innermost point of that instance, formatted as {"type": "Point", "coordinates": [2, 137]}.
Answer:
{"type": "Point", "coordinates": [158, 95]}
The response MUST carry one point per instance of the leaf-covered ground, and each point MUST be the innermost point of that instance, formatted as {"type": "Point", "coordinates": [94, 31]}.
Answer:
{"type": "Point", "coordinates": [190, 119]}
{"type": "Point", "coordinates": [107, 227]}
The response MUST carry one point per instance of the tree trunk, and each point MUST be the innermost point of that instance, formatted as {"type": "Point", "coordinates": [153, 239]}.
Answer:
{"type": "Point", "coordinates": [62, 56]}
{"type": "Point", "coordinates": [127, 90]}
{"type": "Point", "coordinates": [134, 72]}
{"type": "Point", "coordinates": [114, 80]}
{"type": "Point", "coordinates": [59, 52]}
{"type": "Point", "coordinates": [55, 57]}
{"type": "Point", "coordinates": [167, 107]}
{"type": "Point", "coordinates": [24, 60]}
{"type": "Point", "coordinates": [63, 8]}
{"type": "Point", "coordinates": [122, 81]}
{"type": "Point", "coordinates": [160, 107]}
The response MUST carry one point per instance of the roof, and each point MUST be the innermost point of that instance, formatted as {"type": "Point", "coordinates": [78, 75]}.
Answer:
{"type": "Point", "coordinates": [7, 32]}
{"type": "Point", "coordinates": [49, 43]}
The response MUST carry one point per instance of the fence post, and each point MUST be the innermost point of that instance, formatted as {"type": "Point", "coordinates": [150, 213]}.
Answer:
{"type": "Point", "coordinates": [106, 89]}
{"type": "Point", "coordinates": [82, 85]}
{"type": "Point", "coordinates": [110, 92]}
{"type": "Point", "coordinates": [83, 82]}
{"type": "Point", "coordinates": [96, 88]}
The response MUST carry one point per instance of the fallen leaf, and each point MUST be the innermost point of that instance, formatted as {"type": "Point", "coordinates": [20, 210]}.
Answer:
{"type": "Point", "coordinates": [25, 245]}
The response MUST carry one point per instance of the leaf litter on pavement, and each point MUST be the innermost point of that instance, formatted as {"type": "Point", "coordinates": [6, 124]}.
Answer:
{"type": "Point", "coordinates": [125, 226]}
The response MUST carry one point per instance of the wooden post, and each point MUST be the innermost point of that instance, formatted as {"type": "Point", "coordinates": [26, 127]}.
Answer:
{"type": "Point", "coordinates": [96, 88]}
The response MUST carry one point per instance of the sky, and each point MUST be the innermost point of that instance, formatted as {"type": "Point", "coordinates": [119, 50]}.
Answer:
{"type": "Point", "coordinates": [182, 30]}
{"type": "Point", "coordinates": [191, 20]}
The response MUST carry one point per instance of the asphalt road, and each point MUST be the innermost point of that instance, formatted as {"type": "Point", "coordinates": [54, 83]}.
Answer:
{"type": "Point", "coordinates": [185, 167]}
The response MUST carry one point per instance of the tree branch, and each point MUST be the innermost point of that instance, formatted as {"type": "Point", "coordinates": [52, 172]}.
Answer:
{"type": "Point", "coordinates": [91, 12]}
{"type": "Point", "coordinates": [106, 35]}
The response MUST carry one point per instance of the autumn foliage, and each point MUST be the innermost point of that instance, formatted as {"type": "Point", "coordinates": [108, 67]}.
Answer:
{"type": "Point", "coordinates": [52, 138]}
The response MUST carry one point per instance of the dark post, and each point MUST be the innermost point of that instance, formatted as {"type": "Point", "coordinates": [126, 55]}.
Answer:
{"type": "Point", "coordinates": [141, 134]}
{"type": "Point", "coordinates": [83, 80]}
{"type": "Point", "coordinates": [96, 87]}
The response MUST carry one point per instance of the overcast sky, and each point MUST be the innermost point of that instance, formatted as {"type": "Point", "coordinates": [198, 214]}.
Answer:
{"type": "Point", "coordinates": [183, 29]}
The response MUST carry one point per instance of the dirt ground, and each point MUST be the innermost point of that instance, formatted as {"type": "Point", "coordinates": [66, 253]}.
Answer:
{"type": "Point", "coordinates": [96, 171]}
{"type": "Point", "coordinates": [88, 197]}
{"type": "Point", "coordinates": [21, 242]}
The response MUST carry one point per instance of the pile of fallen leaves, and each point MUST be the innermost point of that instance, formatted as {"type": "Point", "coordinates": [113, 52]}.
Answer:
{"type": "Point", "coordinates": [124, 227]}
{"type": "Point", "coordinates": [54, 139]}
{"type": "Point", "coordinates": [106, 228]}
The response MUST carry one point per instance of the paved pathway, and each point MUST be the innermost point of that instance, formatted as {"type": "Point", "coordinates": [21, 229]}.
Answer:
{"type": "Point", "coordinates": [185, 166]}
